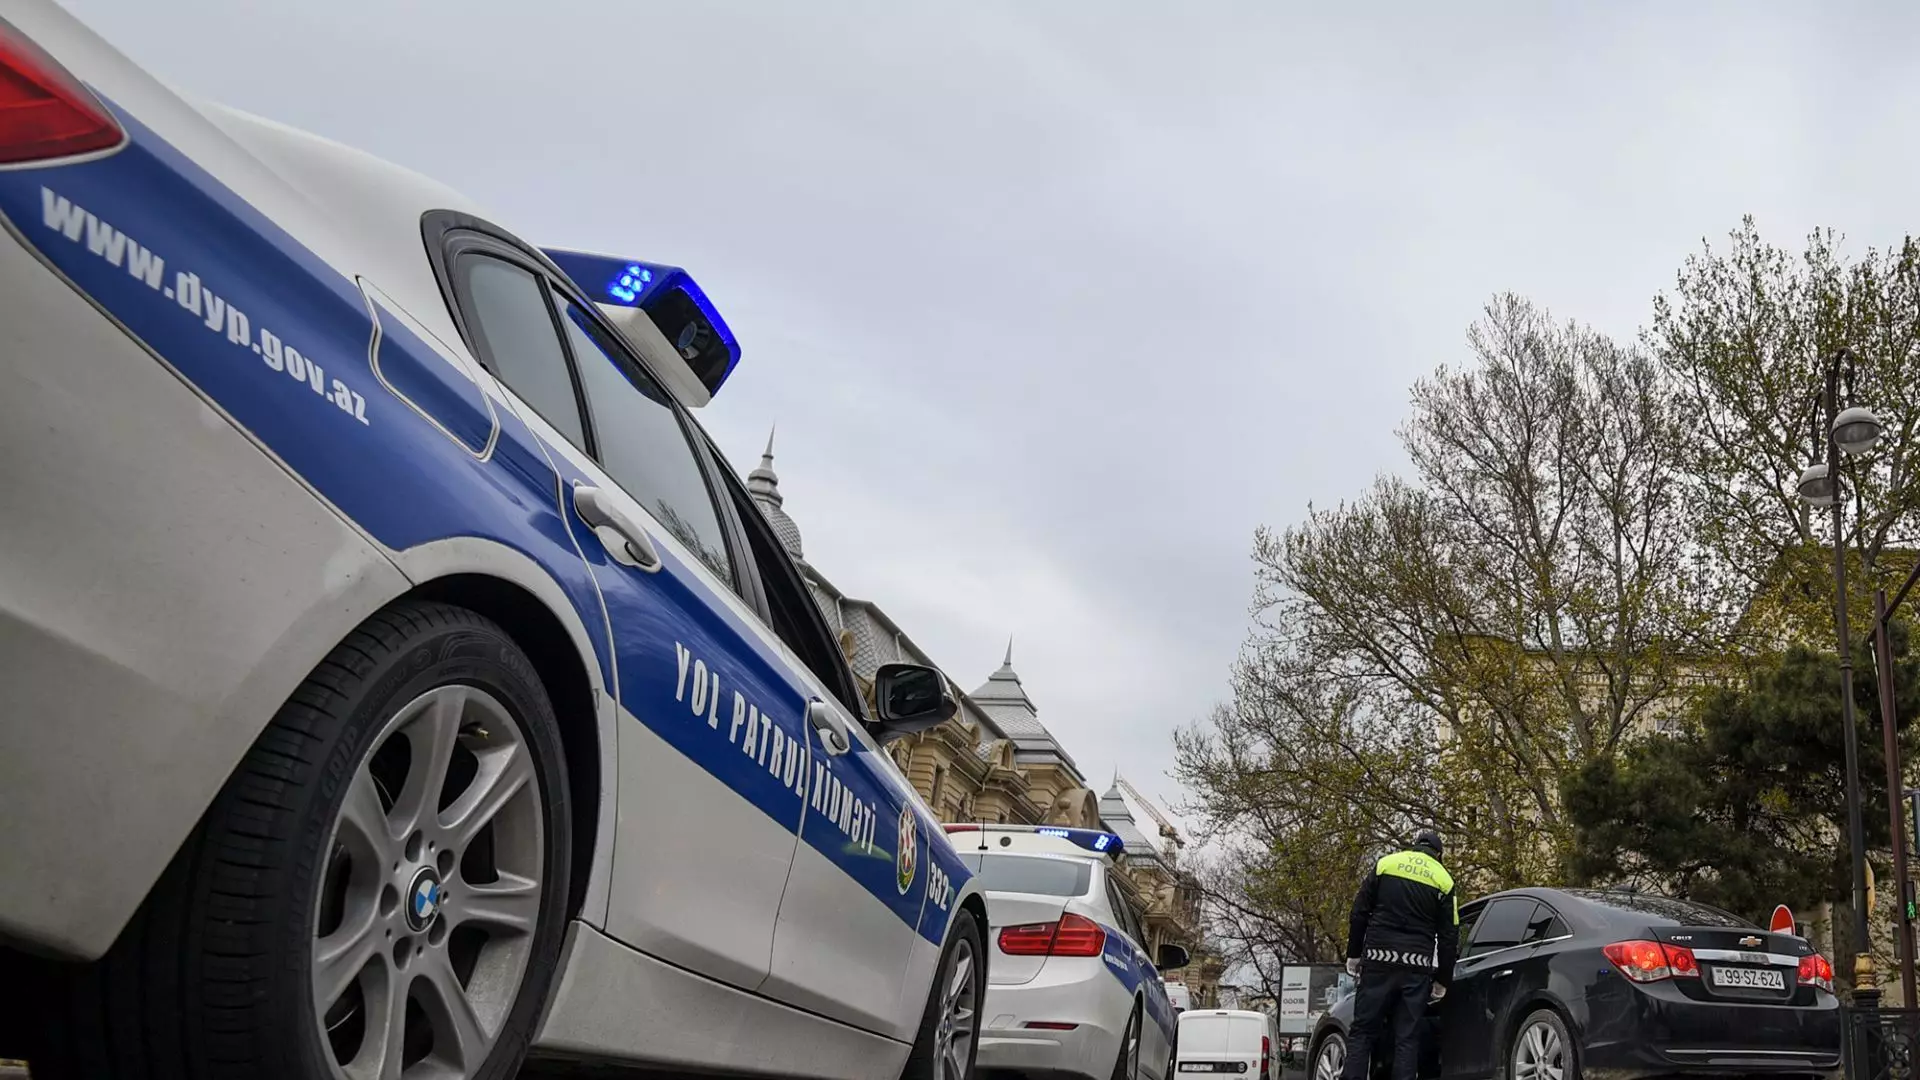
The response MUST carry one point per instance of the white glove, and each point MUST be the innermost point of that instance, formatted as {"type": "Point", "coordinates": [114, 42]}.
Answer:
{"type": "Point", "coordinates": [1438, 992]}
{"type": "Point", "coordinates": [1353, 968]}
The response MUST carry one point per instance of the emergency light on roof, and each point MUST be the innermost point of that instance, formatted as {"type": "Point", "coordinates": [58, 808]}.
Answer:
{"type": "Point", "coordinates": [1105, 843]}
{"type": "Point", "coordinates": [672, 301]}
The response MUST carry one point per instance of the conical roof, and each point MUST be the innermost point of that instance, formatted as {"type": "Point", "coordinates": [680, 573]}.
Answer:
{"type": "Point", "coordinates": [1004, 685]}
{"type": "Point", "coordinates": [764, 485]}
{"type": "Point", "coordinates": [1003, 698]}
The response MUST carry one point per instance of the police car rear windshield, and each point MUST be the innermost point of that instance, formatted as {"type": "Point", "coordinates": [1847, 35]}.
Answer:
{"type": "Point", "coordinates": [1021, 874]}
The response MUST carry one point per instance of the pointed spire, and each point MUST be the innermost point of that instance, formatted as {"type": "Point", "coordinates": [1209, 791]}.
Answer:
{"type": "Point", "coordinates": [1004, 685]}
{"type": "Point", "coordinates": [764, 485]}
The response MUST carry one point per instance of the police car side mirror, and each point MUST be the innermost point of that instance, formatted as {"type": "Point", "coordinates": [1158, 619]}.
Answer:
{"type": "Point", "coordinates": [1172, 957]}
{"type": "Point", "coordinates": [911, 698]}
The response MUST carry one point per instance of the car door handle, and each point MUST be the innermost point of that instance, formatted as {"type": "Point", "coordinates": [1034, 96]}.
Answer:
{"type": "Point", "coordinates": [833, 731]}
{"type": "Point", "coordinates": [628, 544]}
{"type": "Point", "coordinates": [1503, 973]}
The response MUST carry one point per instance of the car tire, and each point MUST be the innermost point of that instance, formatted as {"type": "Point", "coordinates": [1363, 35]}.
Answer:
{"type": "Point", "coordinates": [398, 833]}
{"type": "Point", "coordinates": [949, 1035]}
{"type": "Point", "coordinates": [1330, 1057]}
{"type": "Point", "coordinates": [1542, 1048]}
{"type": "Point", "coordinates": [1126, 1064]}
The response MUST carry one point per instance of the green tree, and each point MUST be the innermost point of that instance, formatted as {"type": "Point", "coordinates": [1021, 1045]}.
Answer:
{"type": "Point", "coordinates": [1744, 338]}
{"type": "Point", "coordinates": [1513, 609]}
{"type": "Point", "coordinates": [1443, 649]}
{"type": "Point", "coordinates": [1747, 809]}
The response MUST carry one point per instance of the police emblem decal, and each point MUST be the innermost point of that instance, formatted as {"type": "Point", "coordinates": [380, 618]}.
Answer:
{"type": "Point", "coordinates": [907, 862]}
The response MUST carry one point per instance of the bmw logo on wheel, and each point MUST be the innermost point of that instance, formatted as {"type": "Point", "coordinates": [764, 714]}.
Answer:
{"type": "Point", "coordinates": [423, 899]}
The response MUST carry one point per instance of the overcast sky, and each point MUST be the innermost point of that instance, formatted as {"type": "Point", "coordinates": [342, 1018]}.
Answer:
{"type": "Point", "coordinates": [1054, 304]}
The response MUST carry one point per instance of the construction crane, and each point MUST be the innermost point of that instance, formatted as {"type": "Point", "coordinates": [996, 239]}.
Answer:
{"type": "Point", "coordinates": [1167, 828]}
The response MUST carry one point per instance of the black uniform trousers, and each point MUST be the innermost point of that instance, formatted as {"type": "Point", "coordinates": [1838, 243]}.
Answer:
{"type": "Point", "coordinates": [1389, 1000]}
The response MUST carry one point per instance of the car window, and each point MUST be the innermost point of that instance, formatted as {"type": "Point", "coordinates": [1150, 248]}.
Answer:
{"type": "Point", "coordinates": [1113, 903]}
{"type": "Point", "coordinates": [791, 611]}
{"type": "Point", "coordinates": [1123, 912]}
{"type": "Point", "coordinates": [1134, 928]}
{"type": "Point", "coordinates": [1041, 877]}
{"type": "Point", "coordinates": [1502, 925]}
{"type": "Point", "coordinates": [516, 338]}
{"type": "Point", "coordinates": [642, 444]}
{"type": "Point", "coordinates": [1467, 920]}
{"type": "Point", "coordinates": [1545, 925]}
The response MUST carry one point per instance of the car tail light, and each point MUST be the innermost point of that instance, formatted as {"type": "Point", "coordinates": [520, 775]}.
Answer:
{"type": "Point", "coordinates": [1079, 936]}
{"type": "Point", "coordinates": [44, 111]}
{"type": "Point", "coordinates": [1266, 1058]}
{"type": "Point", "coordinates": [1814, 970]}
{"type": "Point", "coordinates": [961, 828]}
{"type": "Point", "coordinates": [1652, 961]}
{"type": "Point", "coordinates": [1073, 935]}
{"type": "Point", "coordinates": [1032, 939]}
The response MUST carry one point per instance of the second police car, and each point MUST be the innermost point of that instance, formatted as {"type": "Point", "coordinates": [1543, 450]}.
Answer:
{"type": "Point", "coordinates": [1072, 989]}
{"type": "Point", "coordinates": [398, 680]}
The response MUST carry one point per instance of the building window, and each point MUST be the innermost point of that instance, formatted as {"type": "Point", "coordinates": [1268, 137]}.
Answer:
{"type": "Point", "coordinates": [939, 784]}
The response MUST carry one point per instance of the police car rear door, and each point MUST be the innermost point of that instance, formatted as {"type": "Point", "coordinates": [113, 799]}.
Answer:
{"type": "Point", "coordinates": [705, 830]}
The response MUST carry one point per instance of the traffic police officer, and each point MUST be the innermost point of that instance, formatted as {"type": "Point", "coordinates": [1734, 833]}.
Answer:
{"type": "Point", "coordinates": [1402, 940]}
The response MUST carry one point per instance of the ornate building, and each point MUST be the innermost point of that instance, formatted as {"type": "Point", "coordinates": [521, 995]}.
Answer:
{"type": "Point", "coordinates": [995, 762]}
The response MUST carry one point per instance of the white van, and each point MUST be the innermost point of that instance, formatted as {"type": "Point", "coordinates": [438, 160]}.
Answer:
{"type": "Point", "coordinates": [1239, 1042]}
{"type": "Point", "coordinates": [1181, 997]}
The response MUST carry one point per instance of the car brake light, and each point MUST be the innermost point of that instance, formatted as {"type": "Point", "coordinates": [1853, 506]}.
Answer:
{"type": "Point", "coordinates": [1815, 971]}
{"type": "Point", "coordinates": [1079, 936]}
{"type": "Point", "coordinates": [1032, 939]}
{"type": "Point", "coordinates": [1652, 961]}
{"type": "Point", "coordinates": [1073, 935]}
{"type": "Point", "coordinates": [44, 111]}
{"type": "Point", "coordinates": [961, 828]}
{"type": "Point", "coordinates": [1266, 1058]}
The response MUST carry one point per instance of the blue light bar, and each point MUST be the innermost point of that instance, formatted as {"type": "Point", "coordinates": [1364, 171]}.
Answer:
{"type": "Point", "coordinates": [1092, 839]}
{"type": "Point", "coordinates": [670, 296]}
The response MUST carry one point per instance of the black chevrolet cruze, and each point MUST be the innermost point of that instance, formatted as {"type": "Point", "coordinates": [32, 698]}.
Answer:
{"type": "Point", "coordinates": [1554, 984]}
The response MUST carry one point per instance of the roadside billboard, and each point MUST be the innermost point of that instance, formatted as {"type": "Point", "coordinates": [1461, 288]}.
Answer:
{"type": "Point", "coordinates": [1306, 991]}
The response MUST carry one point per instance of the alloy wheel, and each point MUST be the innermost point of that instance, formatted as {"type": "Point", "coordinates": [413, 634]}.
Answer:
{"type": "Point", "coordinates": [1539, 1054]}
{"type": "Point", "coordinates": [953, 1041]}
{"type": "Point", "coordinates": [1332, 1060]}
{"type": "Point", "coordinates": [432, 891]}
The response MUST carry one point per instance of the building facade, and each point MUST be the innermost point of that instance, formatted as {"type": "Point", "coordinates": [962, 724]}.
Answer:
{"type": "Point", "coordinates": [995, 762]}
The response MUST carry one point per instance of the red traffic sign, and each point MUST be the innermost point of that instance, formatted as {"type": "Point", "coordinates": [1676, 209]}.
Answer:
{"type": "Point", "coordinates": [1782, 920]}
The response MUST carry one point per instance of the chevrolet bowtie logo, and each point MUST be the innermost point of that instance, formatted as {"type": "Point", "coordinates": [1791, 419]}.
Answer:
{"type": "Point", "coordinates": [1749, 942]}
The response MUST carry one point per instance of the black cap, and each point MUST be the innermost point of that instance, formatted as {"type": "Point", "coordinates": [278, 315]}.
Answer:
{"type": "Point", "coordinates": [1429, 840]}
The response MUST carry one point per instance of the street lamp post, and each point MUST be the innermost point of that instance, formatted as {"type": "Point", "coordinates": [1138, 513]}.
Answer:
{"type": "Point", "coordinates": [1855, 430]}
